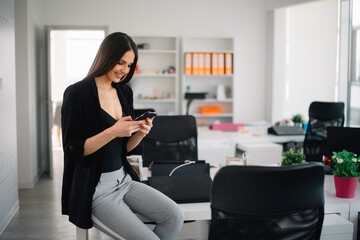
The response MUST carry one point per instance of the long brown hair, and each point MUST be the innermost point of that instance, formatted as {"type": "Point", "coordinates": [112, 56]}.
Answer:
{"type": "Point", "coordinates": [111, 50]}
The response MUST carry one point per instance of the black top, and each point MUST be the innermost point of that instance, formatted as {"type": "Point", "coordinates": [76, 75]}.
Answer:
{"type": "Point", "coordinates": [81, 119]}
{"type": "Point", "coordinates": [113, 149]}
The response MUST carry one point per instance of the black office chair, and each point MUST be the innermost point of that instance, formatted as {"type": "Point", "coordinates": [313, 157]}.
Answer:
{"type": "Point", "coordinates": [321, 116]}
{"type": "Point", "coordinates": [340, 138]}
{"type": "Point", "coordinates": [258, 202]}
{"type": "Point", "coordinates": [172, 138]}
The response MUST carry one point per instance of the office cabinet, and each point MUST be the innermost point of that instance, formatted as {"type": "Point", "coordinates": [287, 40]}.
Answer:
{"type": "Point", "coordinates": [156, 82]}
{"type": "Point", "coordinates": [197, 56]}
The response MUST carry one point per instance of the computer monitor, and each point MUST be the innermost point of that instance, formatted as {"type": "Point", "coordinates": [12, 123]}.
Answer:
{"type": "Point", "coordinates": [340, 138]}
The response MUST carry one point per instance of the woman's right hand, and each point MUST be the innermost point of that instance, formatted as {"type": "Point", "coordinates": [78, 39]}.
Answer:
{"type": "Point", "coordinates": [124, 127]}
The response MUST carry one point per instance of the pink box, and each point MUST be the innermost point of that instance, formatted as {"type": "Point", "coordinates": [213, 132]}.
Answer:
{"type": "Point", "coordinates": [226, 126]}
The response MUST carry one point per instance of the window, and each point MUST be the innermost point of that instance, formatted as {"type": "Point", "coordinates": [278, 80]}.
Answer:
{"type": "Point", "coordinates": [354, 100]}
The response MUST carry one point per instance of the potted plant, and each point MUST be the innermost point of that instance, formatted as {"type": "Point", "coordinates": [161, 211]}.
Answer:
{"type": "Point", "coordinates": [290, 157]}
{"type": "Point", "coordinates": [298, 120]}
{"type": "Point", "coordinates": [345, 173]}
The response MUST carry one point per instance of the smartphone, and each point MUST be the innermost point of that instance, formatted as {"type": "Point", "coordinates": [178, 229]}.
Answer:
{"type": "Point", "coordinates": [145, 115]}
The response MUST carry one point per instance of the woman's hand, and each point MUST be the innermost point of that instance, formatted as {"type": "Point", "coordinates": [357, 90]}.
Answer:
{"type": "Point", "coordinates": [125, 126]}
{"type": "Point", "coordinates": [145, 126]}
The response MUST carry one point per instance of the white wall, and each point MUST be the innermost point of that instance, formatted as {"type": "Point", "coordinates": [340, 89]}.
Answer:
{"type": "Point", "coordinates": [28, 41]}
{"type": "Point", "coordinates": [276, 4]}
{"type": "Point", "coordinates": [356, 13]}
{"type": "Point", "coordinates": [242, 19]}
{"type": "Point", "coordinates": [305, 57]}
{"type": "Point", "coordinates": [313, 52]}
{"type": "Point", "coordinates": [279, 66]}
{"type": "Point", "coordinates": [9, 202]}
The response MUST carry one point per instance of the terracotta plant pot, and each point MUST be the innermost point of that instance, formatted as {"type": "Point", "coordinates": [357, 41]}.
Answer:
{"type": "Point", "coordinates": [345, 187]}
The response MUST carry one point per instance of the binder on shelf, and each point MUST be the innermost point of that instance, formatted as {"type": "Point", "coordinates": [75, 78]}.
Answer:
{"type": "Point", "coordinates": [221, 64]}
{"type": "Point", "coordinates": [188, 63]}
{"type": "Point", "coordinates": [228, 64]}
{"type": "Point", "coordinates": [214, 64]}
{"type": "Point", "coordinates": [195, 64]}
{"type": "Point", "coordinates": [201, 63]}
{"type": "Point", "coordinates": [207, 63]}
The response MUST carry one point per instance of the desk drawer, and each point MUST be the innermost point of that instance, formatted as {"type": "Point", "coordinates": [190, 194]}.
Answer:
{"type": "Point", "coordinates": [336, 227]}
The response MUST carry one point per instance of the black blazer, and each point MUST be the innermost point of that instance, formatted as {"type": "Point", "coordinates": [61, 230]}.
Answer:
{"type": "Point", "coordinates": [81, 119]}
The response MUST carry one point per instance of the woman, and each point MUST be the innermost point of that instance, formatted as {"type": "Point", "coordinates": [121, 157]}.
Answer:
{"type": "Point", "coordinates": [99, 185]}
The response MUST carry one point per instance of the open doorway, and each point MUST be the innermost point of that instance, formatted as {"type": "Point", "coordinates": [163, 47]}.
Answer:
{"type": "Point", "coordinates": [71, 51]}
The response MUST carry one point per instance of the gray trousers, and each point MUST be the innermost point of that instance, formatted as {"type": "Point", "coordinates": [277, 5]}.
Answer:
{"type": "Point", "coordinates": [116, 200]}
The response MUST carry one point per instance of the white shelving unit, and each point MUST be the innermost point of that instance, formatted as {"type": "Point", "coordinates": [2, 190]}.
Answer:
{"type": "Point", "coordinates": [153, 85]}
{"type": "Point", "coordinates": [207, 83]}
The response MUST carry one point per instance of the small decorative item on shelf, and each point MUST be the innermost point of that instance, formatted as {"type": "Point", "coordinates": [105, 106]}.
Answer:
{"type": "Point", "coordinates": [149, 71]}
{"type": "Point", "coordinates": [169, 70]}
{"type": "Point", "coordinates": [220, 92]}
{"type": "Point", "coordinates": [298, 119]}
{"type": "Point", "coordinates": [345, 174]}
{"type": "Point", "coordinates": [210, 110]}
{"type": "Point", "coordinates": [290, 157]}
{"type": "Point", "coordinates": [143, 46]}
{"type": "Point", "coordinates": [157, 93]}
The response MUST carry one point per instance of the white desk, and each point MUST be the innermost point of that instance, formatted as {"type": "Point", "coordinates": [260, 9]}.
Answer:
{"type": "Point", "coordinates": [215, 146]}
{"type": "Point", "coordinates": [333, 204]}
{"type": "Point", "coordinates": [334, 227]}
{"type": "Point", "coordinates": [204, 133]}
{"type": "Point", "coordinates": [348, 208]}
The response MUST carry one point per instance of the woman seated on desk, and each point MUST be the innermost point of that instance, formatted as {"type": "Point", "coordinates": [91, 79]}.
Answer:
{"type": "Point", "coordinates": [99, 185]}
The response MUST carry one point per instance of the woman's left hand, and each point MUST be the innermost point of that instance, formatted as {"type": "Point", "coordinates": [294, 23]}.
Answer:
{"type": "Point", "coordinates": [145, 126]}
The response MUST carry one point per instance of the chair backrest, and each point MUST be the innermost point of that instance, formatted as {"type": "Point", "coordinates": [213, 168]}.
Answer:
{"type": "Point", "coordinates": [258, 202]}
{"type": "Point", "coordinates": [340, 138]}
{"type": "Point", "coordinates": [172, 138]}
{"type": "Point", "coordinates": [321, 116]}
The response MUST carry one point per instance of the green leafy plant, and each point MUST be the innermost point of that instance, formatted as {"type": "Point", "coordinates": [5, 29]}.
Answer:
{"type": "Point", "coordinates": [346, 164]}
{"type": "Point", "coordinates": [297, 118]}
{"type": "Point", "coordinates": [290, 157]}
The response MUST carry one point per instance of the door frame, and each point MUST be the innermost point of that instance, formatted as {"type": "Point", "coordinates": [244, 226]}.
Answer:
{"type": "Point", "coordinates": [47, 119]}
